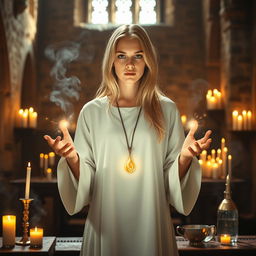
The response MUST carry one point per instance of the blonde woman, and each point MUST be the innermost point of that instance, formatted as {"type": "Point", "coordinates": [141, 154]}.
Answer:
{"type": "Point", "coordinates": [129, 159]}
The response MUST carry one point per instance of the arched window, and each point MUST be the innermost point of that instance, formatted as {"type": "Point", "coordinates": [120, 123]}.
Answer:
{"type": "Point", "coordinates": [103, 12]}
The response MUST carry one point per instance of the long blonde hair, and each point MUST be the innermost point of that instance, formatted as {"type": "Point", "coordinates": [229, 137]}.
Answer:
{"type": "Point", "coordinates": [148, 92]}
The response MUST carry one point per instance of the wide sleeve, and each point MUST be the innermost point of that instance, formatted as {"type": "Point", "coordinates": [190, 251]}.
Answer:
{"type": "Point", "coordinates": [181, 194]}
{"type": "Point", "coordinates": [76, 194]}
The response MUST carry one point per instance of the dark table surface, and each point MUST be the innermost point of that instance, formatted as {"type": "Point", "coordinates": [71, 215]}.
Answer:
{"type": "Point", "coordinates": [246, 246]}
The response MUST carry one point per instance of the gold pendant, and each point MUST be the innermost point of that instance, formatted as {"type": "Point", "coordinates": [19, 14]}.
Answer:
{"type": "Point", "coordinates": [130, 165]}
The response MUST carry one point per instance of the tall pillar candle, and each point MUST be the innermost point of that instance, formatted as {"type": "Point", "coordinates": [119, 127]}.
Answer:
{"type": "Point", "coordinates": [9, 230]}
{"type": "Point", "coordinates": [27, 188]}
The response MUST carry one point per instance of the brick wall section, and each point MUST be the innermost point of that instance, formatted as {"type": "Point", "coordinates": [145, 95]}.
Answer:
{"type": "Point", "coordinates": [180, 50]}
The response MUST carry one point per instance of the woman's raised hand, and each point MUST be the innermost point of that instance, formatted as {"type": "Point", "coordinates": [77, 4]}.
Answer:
{"type": "Point", "coordinates": [63, 147]}
{"type": "Point", "coordinates": [192, 147]}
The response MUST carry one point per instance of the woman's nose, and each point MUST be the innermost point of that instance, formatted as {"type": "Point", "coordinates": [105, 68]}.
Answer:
{"type": "Point", "coordinates": [130, 64]}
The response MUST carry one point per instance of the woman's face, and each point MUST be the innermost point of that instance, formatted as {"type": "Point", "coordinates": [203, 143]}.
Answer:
{"type": "Point", "coordinates": [129, 61]}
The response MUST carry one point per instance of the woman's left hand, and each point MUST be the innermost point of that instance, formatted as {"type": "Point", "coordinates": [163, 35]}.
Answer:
{"type": "Point", "coordinates": [192, 147]}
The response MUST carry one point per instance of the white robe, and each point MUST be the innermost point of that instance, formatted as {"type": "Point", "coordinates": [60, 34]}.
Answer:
{"type": "Point", "coordinates": [129, 214]}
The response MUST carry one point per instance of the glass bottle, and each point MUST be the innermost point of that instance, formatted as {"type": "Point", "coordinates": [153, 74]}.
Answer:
{"type": "Point", "coordinates": [227, 217]}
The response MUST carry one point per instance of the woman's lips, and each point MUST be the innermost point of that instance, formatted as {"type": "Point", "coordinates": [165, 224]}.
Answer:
{"type": "Point", "coordinates": [130, 74]}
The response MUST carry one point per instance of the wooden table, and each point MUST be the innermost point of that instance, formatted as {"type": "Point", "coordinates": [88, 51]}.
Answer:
{"type": "Point", "coordinates": [48, 248]}
{"type": "Point", "coordinates": [246, 246]}
{"type": "Point", "coordinates": [71, 246]}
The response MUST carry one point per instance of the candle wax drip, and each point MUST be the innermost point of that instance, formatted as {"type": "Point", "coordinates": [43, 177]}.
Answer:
{"type": "Point", "coordinates": [130, 165]}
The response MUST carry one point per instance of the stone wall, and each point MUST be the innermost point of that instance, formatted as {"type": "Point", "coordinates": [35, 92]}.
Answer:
{"type": "Point", "coordinates": [18, 30]}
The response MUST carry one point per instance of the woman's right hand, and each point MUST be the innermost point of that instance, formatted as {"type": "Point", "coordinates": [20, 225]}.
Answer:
{"type": "Point", "coordinates": [63, 147]}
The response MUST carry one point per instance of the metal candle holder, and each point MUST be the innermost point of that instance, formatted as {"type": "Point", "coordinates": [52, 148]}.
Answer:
{"type": "Point", "coordinates": [25, 239]}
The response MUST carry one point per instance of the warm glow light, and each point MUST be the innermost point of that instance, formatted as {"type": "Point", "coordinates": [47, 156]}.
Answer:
{"type": "Point", "coordinates": [192, 124]}
{"type": "Point", "coordinates": [183, 119]}
{"type": "Point", "coordinates": [225, 239]}
{"type": "Point", "coordinates": [63, 124]}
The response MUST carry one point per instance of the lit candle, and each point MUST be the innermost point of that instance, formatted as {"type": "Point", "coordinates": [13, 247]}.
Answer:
{"type": "Point", "coordinates": [224, 162]}
{"type": "Point", "coordinates": [30, 113]}
{"type": "Point", "coordinates": [203, 156]}
{"type": "Point", "coordinates": [219, 153]}
{"type": "Point", "coordinates": [229, 166]}
{"type": "Point", "coordinates": [28, 181]}
{"type": "Point", "coordinates": [234, 119]}
{"type": "Point", "coordinates": [51, 159]}
{"type": "Point", "coordinates": [36, 237]}
{"type": "Point", "coordinates": [213, 152]}
{"type": "Point", "coordinates": [208, 167]}
{"type": "Point", "coordinates": [9, 230]}
{"type": "Point", "coordinates": [49, 173]}
{"type": "Point", "coordinates": [240, 122]}
{"type": "Point", "coordinates": [25, 119]}
{"type": "Point", "coordinates": [46, 158]}
{"type": "Point", "coordinates": [249, 119]}
{"type": "Point", "coordinates": [20, 118]}
{"type": "Point", "coordinates": [245, 125]}
{"type": "Point", "coordinates": [219, 99]}
{"type": "Point", "coordinates": [215, 168]}
{"type": "Point", "coordinates": [225, 239]}
{"type": "Point", "coordinates": [184, 120]}
{"type": "Point", "coordinates": [33, 120]}
{"type": "Point", "coordinates": [41, 163]}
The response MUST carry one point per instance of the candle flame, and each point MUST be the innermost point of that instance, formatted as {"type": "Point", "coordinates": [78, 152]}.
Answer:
{"type": "Point", "coordinates": [51, 154]}
{"type": "Point", "coordinates": [36, 228]}
{"type": "Point", "coordinates": [29, 165]}
{"type": "Point", "coordinates": [49, 170]}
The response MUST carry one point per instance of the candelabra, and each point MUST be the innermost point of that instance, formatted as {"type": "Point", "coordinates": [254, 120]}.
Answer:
{"type": "Point", "coordinates": [25, 239]}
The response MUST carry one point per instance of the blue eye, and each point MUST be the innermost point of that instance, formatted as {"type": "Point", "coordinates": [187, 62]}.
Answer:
{"type": "Point", "coordinates": [121, 56]}
{"type": "Point", "coordinates": [138, 56]}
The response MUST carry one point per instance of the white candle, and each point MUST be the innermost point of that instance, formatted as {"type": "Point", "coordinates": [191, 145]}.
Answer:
{"type": "Point", "coordinates": [51, 159]}
{"type": "Point", "coordinates": [41, 163]}
{"type": "Point", "coordinates": [234, 119]}
{"type": "Point", "coordinates": [213, 152]}
{"type": "Point", "coordinates": [249, 119]}
{"type": "Point", "coordinates": [9, 230]}
{"type": "Point", "coordinates": [25, 119]}
{"type": "Point", "coordinates": [49, 173]}
{"type": "Point", "coordinates": [19, 118]}
{"type": "Point", "coordinates": [219, 153]}
{"type": "Point", "coordinates": [203, 156]}
{"type": "Point", "coordinates": [224, 161]}
{"type": "Point", "coordinates": [215, 168]}
{"type": "Point", "coordinates": [33, 120]}
{"type": "Point", "coordinates": [208, 169]}
{"type": "Point", "coordinates": [184, 120]}
{"type": "Point", "coordinates": [229, 166]}
{"type": "Point", "coordinates": [245, 125]}
{"type": "Point", "coordinates": [219, 99]}
{"type": "Point", "coordinates": [28, 181]}
{"type": "Point", "coordinates": [240, 122]}
{"type": "Point", "coordinates": [36, 237]}
{"type": "Point", "coordinates": [46, 158]}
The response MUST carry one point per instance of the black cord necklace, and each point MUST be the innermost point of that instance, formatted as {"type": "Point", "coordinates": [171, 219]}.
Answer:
{"type": "Point", "coordinates": [130, 165]}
